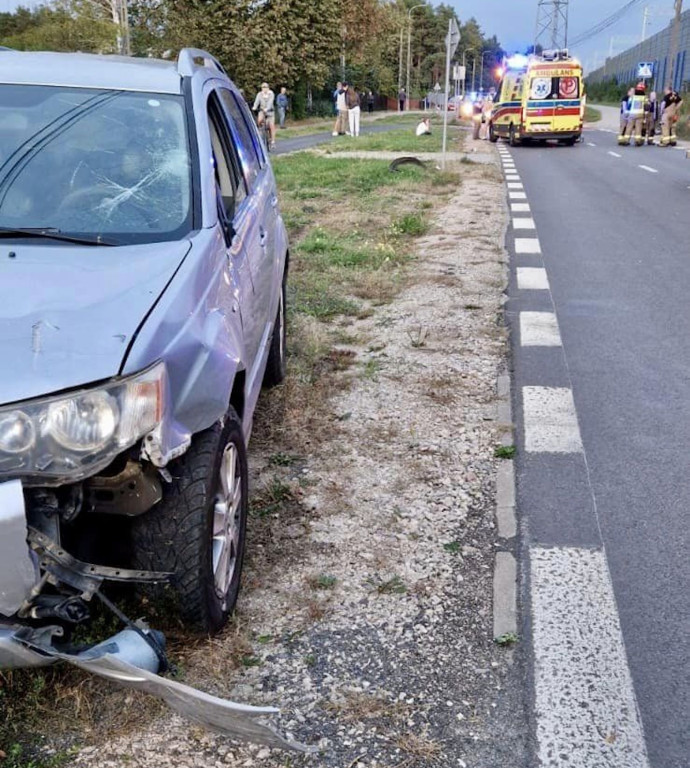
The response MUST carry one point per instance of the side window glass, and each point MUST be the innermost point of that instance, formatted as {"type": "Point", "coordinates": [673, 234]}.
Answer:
{"type": "Point", "coordinates": [230, 186]}
{"type": "Point", "coordinates": [247, 150]}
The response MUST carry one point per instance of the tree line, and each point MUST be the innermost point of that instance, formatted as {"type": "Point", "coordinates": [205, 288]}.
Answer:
{"type": "Point", "coordinates": [305, 45]}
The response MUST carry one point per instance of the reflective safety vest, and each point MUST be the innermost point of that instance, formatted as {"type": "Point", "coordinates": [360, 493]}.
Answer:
{"type": "Point", "coordinates": [637, 106]}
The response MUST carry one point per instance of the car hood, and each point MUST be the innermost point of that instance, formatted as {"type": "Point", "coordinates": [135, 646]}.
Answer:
{"type": "Point", "coordinates": [68, 314]}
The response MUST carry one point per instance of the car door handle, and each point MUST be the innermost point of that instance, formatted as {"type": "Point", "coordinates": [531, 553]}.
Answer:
{"type": "Point", "coordinates": [263, 237]}
{"type": "Point", "coordinates": [274, 201]}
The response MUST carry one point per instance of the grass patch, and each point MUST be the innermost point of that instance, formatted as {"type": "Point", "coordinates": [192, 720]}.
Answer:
{"type": "Point", "coordinates": [504, 452]}
{"type": "Point", "coordinates": [404, 140]}
{"type": "Point", "coordinates": [592, 115]}
{"type": "Point", "coordinates": [413, 224]}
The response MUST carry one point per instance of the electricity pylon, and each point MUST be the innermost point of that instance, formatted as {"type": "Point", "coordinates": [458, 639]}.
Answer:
{"type": "Point", "coordinates": [552, 24]}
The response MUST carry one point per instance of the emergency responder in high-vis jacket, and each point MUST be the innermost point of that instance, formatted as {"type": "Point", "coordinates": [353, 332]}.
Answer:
{"type": "Point", "coordinates": [636, 117]}
{"type": "Point", "coordinates": [625, 104]}
{"type": "Point", "coordinates": [670, 106]}
{"type": "Point", "coordinates": [476, 118]}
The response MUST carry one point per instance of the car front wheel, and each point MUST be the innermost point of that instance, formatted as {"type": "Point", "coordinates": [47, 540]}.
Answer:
{"type": "Point", "coordinates": [198, 531]}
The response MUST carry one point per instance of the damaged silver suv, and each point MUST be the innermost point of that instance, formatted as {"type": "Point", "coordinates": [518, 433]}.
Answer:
{"type": "Point", "coordinates": [143, 262]}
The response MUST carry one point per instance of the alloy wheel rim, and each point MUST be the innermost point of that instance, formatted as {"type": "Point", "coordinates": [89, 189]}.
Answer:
{"type": "Point", "coordinates": [227, 513]}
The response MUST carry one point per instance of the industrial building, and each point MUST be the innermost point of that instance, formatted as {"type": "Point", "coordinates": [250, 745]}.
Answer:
{"type": "Point", "coordinates": [655, 49]}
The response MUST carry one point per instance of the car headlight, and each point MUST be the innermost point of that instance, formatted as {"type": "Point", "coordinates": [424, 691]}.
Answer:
{"type": "Point", "coordinates": [66, 438]}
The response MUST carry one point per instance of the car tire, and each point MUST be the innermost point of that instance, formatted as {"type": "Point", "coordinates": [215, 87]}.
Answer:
{"type": "Point", "coordinates": [277, 354]}
{"type": "Point", "coordinates": [511, 136]}
{"type": "Point", "coordinates": [493, 138]}
{"type": "Point", "coordinates": [570, 142]}
{"type": "Point", "coordinates": [198, 530]}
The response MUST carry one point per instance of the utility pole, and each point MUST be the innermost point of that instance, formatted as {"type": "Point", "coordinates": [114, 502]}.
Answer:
{"type": "Point", "coordinates": [675, 37]}
{"type": "Point", "coordinates": [552, 24]}
{"type": "Point", "coordinates": [645, 21]}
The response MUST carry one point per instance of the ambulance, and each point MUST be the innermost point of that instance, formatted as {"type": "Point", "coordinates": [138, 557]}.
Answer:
{"type": "Point", "coordinates": [540, 98]}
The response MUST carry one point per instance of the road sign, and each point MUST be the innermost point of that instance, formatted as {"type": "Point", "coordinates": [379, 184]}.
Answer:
{"type": "Point", "coordinates": [645, 70]}
{"type": "Point", "coordinates": [459, 72]}
{"type": "Point", "coordinates": [453, 36]}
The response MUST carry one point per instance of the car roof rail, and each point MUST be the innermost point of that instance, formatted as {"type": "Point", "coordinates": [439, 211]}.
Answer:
{"type": "Point", "coordinates": [186, 61]}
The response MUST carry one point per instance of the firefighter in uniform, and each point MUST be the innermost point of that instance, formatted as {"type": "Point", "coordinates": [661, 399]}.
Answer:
{"type": "Point", "coordinates": [637, 105]}
{"type": "Point", "coordinates": [651, 118]}
{"type": "Point", "coordinates": [670, 105]}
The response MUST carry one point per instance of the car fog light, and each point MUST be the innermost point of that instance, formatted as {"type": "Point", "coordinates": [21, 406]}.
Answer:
{"type": "Point", "coordinates": [84, 423]}
{"type": "Point", "coordinates": [17, 433]}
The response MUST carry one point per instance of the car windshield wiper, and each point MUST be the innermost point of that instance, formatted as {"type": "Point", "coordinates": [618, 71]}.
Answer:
{"type": "Point", "coordinates": [53, 233]}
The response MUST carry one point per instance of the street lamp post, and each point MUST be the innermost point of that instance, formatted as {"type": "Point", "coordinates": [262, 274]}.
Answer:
{"type": "Point", "coordinates": [481, 76]}
{"type": "Point", "coordinates": [409, 53]}
{"type": "Point", "coordinates": [464, 64]}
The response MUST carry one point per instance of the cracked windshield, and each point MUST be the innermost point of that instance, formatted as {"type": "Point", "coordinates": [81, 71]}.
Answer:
{"type": "Point", "coordinates": [359, 442]}
{"type": "Point", "coordinates": [94, 162]}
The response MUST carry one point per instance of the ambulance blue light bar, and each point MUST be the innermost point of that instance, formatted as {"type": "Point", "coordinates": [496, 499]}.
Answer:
{"type": "Point", "coordinates": [517, 61]}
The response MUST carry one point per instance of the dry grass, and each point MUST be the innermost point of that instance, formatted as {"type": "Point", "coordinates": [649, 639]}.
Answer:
{"type": "Point", "coordinates": [357, 706]}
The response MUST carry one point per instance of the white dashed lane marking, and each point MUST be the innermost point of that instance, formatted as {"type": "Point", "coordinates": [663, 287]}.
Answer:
{"type": "Point", "coordinates": [591, 144]}
{"type": "Point", "coordinates": [517, 195]}
{"type": "Point", "coordinates": [550, 420]}
{"type": "Point", "coordinates": [527, 245]}
{"type": "Point", "coordinates": [532, 279]}
{"type": "Point", "coordinates": [614, 154]}
{"type": "Point", "coordinates": [647, 168]}
{"type": "Point", "coordinates": [525, 223]}
{"type": "Point", "coordinates": [585, 700]}
{"type": "Point", "coordinates": [539, 329]}
{"type": "Point", "coordinates": [515, 185]}
{"type": "Point", "coordinates": [519, 207]}
{"type": "Point", "coordinates": [512, 177]}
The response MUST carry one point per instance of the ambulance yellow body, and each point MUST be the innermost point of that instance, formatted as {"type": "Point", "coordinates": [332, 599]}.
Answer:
{"type": "Point", "coordinates": [540, 98]}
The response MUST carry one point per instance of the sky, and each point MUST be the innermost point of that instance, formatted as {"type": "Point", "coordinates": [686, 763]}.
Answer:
{"type": "Point", "coordinates": [514, 22]}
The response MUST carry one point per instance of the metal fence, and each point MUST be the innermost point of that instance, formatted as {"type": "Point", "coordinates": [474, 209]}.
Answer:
{"type": "Point", "coordinates": [623, 67]}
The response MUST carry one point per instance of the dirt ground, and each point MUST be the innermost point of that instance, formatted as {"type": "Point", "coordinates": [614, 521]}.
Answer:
{"type": "Point", "coordinates": [366, 613]}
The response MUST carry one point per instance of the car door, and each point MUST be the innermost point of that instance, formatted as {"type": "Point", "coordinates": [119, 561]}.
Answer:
{"type": "Point", "coordinates": [264, 204]}
{"type": "Point", "coordinates": [241, 233]}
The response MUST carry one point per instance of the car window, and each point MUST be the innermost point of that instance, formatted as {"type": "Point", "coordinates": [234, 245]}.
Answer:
{"type": "Point", "coordinates": [230, 186]}
{"type": "Point", "coordinates": [118, 163]}
{"type": "Point", "coordinates": [251, 152]}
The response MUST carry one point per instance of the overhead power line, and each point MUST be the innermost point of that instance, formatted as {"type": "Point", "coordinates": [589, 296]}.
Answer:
{"type": "Point", "coordinates": [605, 23]}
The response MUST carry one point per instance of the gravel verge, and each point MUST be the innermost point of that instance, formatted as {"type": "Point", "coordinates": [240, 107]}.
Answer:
{"type": "Point", "coordinates": [370, 624]}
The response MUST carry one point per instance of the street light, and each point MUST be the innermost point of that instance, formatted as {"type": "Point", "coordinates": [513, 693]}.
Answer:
{"type": "Point", "coordinates": [409, 49]}
{"type": "Point", "coordinates": [481, 76]}
{"type": "Point", "coordinates": [464, 55]}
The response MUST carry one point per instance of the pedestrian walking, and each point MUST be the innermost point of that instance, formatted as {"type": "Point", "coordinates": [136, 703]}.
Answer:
{"type": "Point", "coordinates": [670, 107]}
{"type": "Point", "coordinates": [651, 118]}
{"type": "Point", "coordinates": [625, 107]}
{"type": "Point", "coordinates": [370, 102]}
{"type": "Point", "coordinates": [402, 98]}
{"type": "Point", "coordinates": [282, 104]}
{"type": "Point", "coordinates": [352, 102]}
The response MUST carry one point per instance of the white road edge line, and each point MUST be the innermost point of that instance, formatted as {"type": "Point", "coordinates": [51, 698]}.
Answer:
{"type": "Point", "coordinates": [524, 223]}
{"type": "Point", "coordinates": [528, 245]}
{"type": "Point", "coordinates": [532, 279]}
{"type": "Point", "coordinates": [517, 195]}
{"type": "Point", "coordinates": [614, 154]}
{"type": "Point", "coordinates": [519, 208]}
{"type": "Point", "coordinates": [515, 185]}
{"type": "Point", "coordinates": [550, 420]}
{"type": "Point", "coordinates": [539, 329]}
{"type": "Point", "coordinates": [585, 700]}
{"type": "Point", "coordinates": [647, 168]}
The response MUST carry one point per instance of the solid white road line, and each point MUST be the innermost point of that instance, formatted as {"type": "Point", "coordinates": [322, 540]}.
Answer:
{"type": "Point", "coordinates": [550, 420]}
{"type": "Point", "coordinates": [517, 195]}
{"type": "Point", "coordinates": [527, 245]}
{"type": "Point", "coordinates": [525, 223]}
{"type": "Point", "coordinates": [514, 185]}
{"type": "Point", "coordinates": [519, 207]}
{"type": "Point", "coordinates": [532, 279]}
{"type": "Point", "coordinates": [585, 701]}
{"type": "Point", "coordinates": [614, 154]}
{"type": "Point", "coordinates": [539, 329]}
{"type": "Point", "coordinates": [647, 168]}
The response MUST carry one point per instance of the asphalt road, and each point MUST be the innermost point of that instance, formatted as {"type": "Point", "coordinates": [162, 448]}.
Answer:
{"type": "Point", "coordinates": [613, 229]}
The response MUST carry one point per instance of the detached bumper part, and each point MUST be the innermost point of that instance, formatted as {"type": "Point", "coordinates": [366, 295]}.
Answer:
{"type": "Point", "coordinates": [129, 660]}
{"type": "Point", "coordinates": [18, 572]}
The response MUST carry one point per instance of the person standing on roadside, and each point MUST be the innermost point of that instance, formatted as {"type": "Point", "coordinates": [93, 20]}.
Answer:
{"type": "Point", "coordinates": [340, 126]}
{"type": "Point", "coordinates": [370, 102]}
{"type": "Point", "coordinates": [651, 118]}
{"type": "Point", "coordinates": [625, 111]}
{"type": "Point", "coordinates": [402, 98]}
{"type": "Point", "coordinates": [338, 88]}
{"type": "Point", "coordinates": [670, 106]}
{"type": "Point", "coordinates": [353, 108]}
{"type": "Point", "coordinates": [282, 104]}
